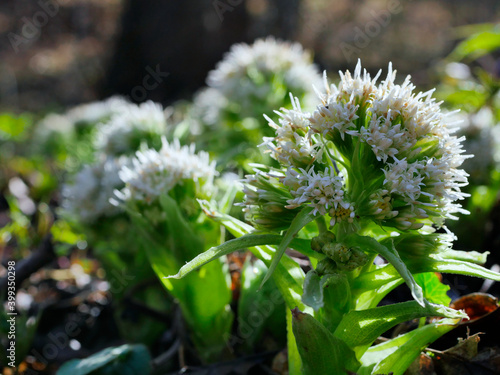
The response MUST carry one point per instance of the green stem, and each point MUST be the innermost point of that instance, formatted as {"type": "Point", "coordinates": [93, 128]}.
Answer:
{"type": "Point", "coordinates": [369, 265]}
{"type": "Point", "coordinates": [294, 360]}
{"type": "Point", "coordinates": [333, 158]}
{"type": "Point", "coordinates": [320, 222]}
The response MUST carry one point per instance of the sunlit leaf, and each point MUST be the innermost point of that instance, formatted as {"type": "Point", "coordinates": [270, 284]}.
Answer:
{"type": "Point", "coordinates": [391, 255]}
{"type": "Point", "coordinates": [301, 220]}
{"type": "Point", "coordinates": [477, 45]}
{"type": "Point", "coordinates": [361, 328]}
{"type": "Point", "coordinates": [321, 352]}
{"type": "Point", "coordinates": [396, 355]}
{"type": "Point", "coordinates": [434, 290]}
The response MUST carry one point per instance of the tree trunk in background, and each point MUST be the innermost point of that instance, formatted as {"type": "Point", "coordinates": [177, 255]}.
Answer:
{"type": "Point", "coordinates": [186, 39]}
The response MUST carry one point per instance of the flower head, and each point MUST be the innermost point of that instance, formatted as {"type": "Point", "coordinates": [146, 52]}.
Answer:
{"type": "Point", "coordinates": [153, 173]}
{"type": "Point", "coordinates": [371, 151]}
{"type": "Point", "coordinates": [246, 71]}
{"type": "Point", "coordinates": [131, 126]}
{"type": "Point", "coordinates": [95, 112]}
{"type": "Point", "coordinates": [249, 81]}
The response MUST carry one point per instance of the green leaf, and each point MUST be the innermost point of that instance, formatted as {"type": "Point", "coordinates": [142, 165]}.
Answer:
{"type": "Point", "coordinates": [469, 100]}
{"type": "Point", "coordinates": [244, 242]}
{"type": "Point", "coordinates": [409, 346]}
{"type": "Point", "coordinates": [337, 300]}
{"type": "Point", "coordinates": [313, 291]}
{"type": "Point", "coordinates": [182, 240]}
{"type": "Point", "coordinates": [25, 327]}
{"type": "Point", "coordinates": [226, 202]}
{"type": "Point", "coordinates": [388, 273]}
{"type": "Point", "coordinates": [125, 359]}
{"type": "Point", "coordinates": [468, 256]}
{"type": "Point", "coordinates": [396, 355]}
{"type": "Point", "coordinates": [391, 255]}
{"type": "Point", "coordinates": [218, 251]}
{"type": "Point", "coordinates": [289, 276]}
{"type": "Point", "coordinates": [477, 45]}
{"type": "Point", "coordinates": [63, 232]}
{"type": "Point", "coordinates": [460, 268]}
{"type": "Point", "coordinates": [320, 351]}
{"type": "Point", "coordinates": [203, 296]}
{"type": "Point", "coordinates": [303, 218]}
{"type": "Point", "coordinates": [13, 127]}
{"type": "Point", "coordinates": [360, 328]}
{"type": "Point", "coordinates": [294, 360]}
{"type": "Point", "coordinates": [434, 290]}
{"type": "Point", "coordinates": [267, 303]}
{"type": "Point", "coordinates": [370, 287]}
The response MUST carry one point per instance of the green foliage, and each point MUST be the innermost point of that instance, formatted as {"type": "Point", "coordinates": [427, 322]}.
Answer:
{"type": "Point", "coordinates": [65, 236]}
{"type": "Point", "coordinates": [397, 355]}
{"type": "Point", "coordinates": [434, 290]}
{"type": "Point", "coordinates": [125, 359]}
{"type": "Point", "coordinates": [262, 308]}
{"type": "Point", "coordinates": [480, 43]}
{"type": "Point", "coordinates": [320, 350]}
{"type": "Point", "coordinates": [14, 128]}
{"type": "Point", "coordinates": [303, 218]}
{"type": "Point", "coordinates": [204, 296]}
{"type": "Point", "coordinates": [25, 327]}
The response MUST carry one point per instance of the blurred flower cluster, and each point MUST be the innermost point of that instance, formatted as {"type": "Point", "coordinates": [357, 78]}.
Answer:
{"type": "Point", "coordinates": [250, 81]}
{"type": "Point", "coordinates": [116, 130]}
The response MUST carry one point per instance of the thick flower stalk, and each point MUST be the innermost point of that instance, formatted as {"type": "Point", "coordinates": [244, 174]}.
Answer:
{"type": "Point", "coordinates": [374, 170]}
{"type": "Point", "coordinates": [161, 193]}
{"type": "Point", "coordinates": [102, 137]}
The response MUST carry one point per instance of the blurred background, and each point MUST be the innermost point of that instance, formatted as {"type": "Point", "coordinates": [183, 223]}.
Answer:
{"type": "Point", "coordinates": [60, 53]}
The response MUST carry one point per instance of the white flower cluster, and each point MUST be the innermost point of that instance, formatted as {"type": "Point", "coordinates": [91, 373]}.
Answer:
{"type": "Point", "coordinates": [292, 144]}
{"type": "Point", "coordinates": [87, 195]}
{"type": "Point", "coordinates": [323, 190]}
{"type": "Point", "coordinates": [400, 157]}
{"type": "Point", "coordinates": [94, 112]}
{"type": "Point", "coordinates": [207, 105]}
{"type": "Point", "coordinates": [153, 173]}
{"type": "Point", "coordinates": [247, 70]}
{"type": "Point", "coordinates": [86, 114]}
{"type": "Point", "coordinates": [53, 125]}
{"type": "Point", "coordinates": [127, 128]}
